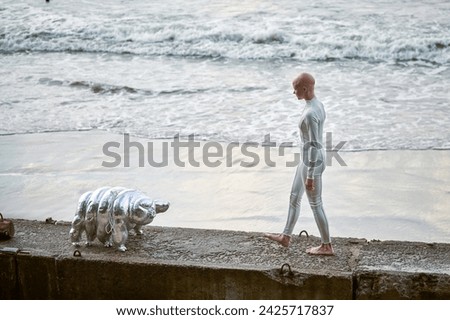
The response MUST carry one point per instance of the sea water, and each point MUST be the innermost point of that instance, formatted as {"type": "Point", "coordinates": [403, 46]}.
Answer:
{"type": "Point", "coordinates": [222, 70]}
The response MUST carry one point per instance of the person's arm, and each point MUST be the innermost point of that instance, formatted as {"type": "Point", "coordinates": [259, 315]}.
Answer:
{"type": "Point", "coordinates": [313, 144]}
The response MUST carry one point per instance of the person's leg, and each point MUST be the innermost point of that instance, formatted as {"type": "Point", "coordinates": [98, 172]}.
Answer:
{"type": "Point", "coordinates": [315, 201]}
{"type": "Point", "coordinates": [297, 190]}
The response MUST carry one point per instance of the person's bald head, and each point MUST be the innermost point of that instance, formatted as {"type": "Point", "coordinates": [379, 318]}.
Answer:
{"type": "Point", "coordinates": [304, 86]}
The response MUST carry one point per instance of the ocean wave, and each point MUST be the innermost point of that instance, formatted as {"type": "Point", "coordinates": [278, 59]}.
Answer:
{"type": "Point", "coordinates": [237, 38]}
{"type": "Point", "coordinates": [103, 88]}
{"type": "Point", "coordinates": [269, 47]}
{"type": "Point", "coordinates": [100, 88]}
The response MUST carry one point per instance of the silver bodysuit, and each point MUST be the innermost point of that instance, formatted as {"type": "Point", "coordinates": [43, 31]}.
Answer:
{"type": "Point", "coordinates": [311, 166]}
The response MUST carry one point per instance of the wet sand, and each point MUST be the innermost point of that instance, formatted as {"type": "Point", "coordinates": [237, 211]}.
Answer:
{"type": "Point", "coordinates": [386, 195]}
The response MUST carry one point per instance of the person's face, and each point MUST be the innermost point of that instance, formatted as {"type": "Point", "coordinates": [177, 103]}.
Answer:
{"type": "Point", "coordinates": [299, 90]}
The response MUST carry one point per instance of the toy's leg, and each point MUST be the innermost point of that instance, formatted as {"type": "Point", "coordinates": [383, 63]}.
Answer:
{"type": "Point", "coordinates": [79, 219]}
{"type": "Point", "coordinates": [120, 233]}
{"type": "Point", "coordinates": [138, 229]}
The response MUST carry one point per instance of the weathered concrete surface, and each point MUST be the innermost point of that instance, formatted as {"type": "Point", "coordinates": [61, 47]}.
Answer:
{"type": "Point", "coordinates": [393, 270]}
{"type": "Point", "coordinates": [176, 263]}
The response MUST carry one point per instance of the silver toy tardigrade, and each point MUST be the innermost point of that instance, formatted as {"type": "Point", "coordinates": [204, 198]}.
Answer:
{"type": "Point", "coordinates": [108, 214]}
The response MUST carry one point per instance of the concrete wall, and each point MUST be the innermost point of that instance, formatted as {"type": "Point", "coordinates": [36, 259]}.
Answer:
{"type": "Point", "coordinates": [180, 263]}
{"type": "Point", "coordinates": [25, 276]}
{"type": "Point", "coordinates": [41, 277]}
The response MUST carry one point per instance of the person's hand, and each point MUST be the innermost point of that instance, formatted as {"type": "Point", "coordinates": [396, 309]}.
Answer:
{"type": "Point", "coordinates": [309, 184]}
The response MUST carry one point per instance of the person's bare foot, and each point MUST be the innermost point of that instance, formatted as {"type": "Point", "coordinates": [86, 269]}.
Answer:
{"type": "Point", "coordinates": [282, 239]}
{"type": "Point", "coordinates": [323, 249]}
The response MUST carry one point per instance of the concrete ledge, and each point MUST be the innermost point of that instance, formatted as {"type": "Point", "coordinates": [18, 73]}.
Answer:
{"type": "Point", "coordinates": [401, 285]}
{"type": "Point", "coordinates": [176, 263]}
{"type": "Point", "coordinates": [172, 281]}
{"type": "Point", "coordinates": [399, 270]}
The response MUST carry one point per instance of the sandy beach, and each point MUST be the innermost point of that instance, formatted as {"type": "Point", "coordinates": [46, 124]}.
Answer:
{"type": "Point", "coordinates": [386, 195]}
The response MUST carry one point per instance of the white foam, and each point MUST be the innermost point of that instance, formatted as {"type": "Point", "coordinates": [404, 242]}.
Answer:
{"type": "Point", "coordinates": [320, 35]}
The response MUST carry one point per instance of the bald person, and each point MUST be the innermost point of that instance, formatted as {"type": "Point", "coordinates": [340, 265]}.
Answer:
{"type": "Point", "coordinates": [308, 176]}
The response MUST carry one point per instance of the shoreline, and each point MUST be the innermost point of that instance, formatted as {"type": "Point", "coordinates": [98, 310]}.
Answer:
{"type": "Point", "coordinates": [387, 195]}
{"type": "Point", "coordinates": [185, 138]}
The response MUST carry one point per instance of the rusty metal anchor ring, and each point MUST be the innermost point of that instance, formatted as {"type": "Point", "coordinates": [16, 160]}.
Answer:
{"type": "Point", "coordinates": [303, 231]}
{"type": "Point", "coordinates": [77, 253]}
{"type": "Point", "coordinates": [289, 273]}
